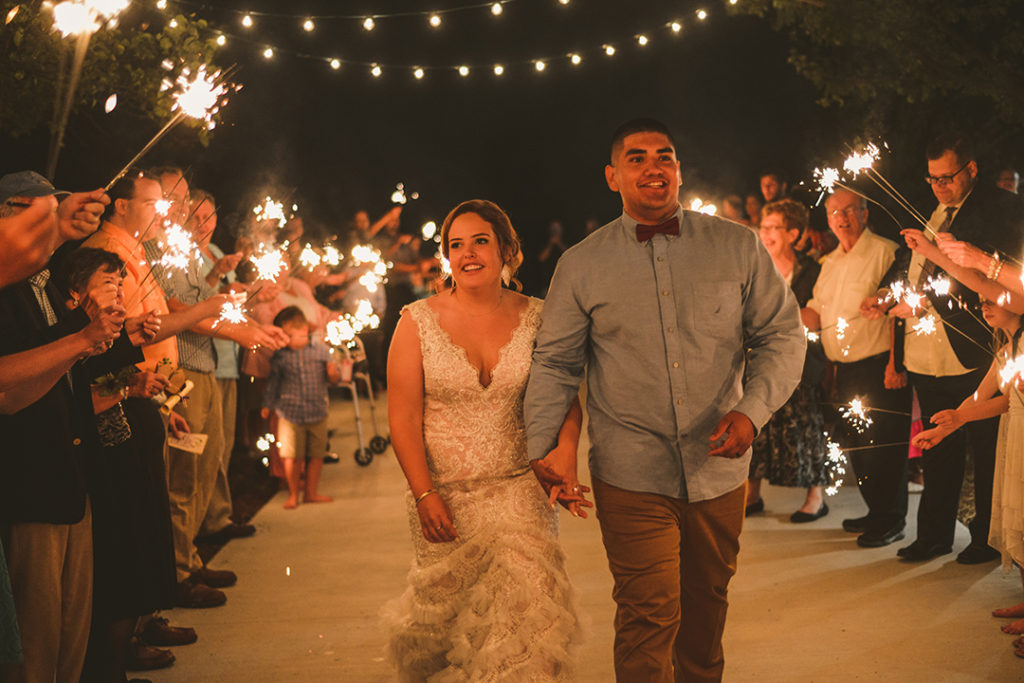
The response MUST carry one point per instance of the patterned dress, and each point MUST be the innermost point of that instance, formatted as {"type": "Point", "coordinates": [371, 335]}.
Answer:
{"type": "Point", "coordinates": [496, 603]}
{"type": "Point", "coordinates": [1006, 530]}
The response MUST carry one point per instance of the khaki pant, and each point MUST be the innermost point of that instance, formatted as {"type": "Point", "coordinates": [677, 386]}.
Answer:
{"type": "Point", "coordinates": [51, 577]}
{"type": "Point", "coordinates": [190, 477]}
{"type": "Point", "coordinates": [672, 561]}
{"type": "Point", "coordinates": [218, 513]}
{"type": "Point", "coordinates": [301, 440]}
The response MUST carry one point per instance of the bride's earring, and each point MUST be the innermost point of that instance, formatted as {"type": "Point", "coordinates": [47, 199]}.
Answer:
{"type": "Point", "coordinates": [506, 275]}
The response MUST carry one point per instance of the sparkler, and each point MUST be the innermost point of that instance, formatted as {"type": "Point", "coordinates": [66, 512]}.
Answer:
{"type": "Point", "coordinates": [837, 461]}
{"type": "Point", "coordinates": [1011, 371]}
{"type": "Point", "coordinates": [264, 442]}
{"type": "Point", "coordinates": [344, 329]}
{"type": "Point", "coordinates": [309, 258]}
{"type": "Point", "coordinates": [841, 326]}
{"type": "Point", "coordinates": [332, 256]}
{"type": "Point", "coordinates": [925, 326]}
{"type": "Point", "coordinates": [399, 196]}
{"type": "Point", "coordinates": [271, 210]}
{"type": "Point", "coordinates": [269, 264]}
{"type": "Point", "coordinates": [856, 414]}
{"type": "Point", "coordinates": [198, 97]}
{"type": "Point", "coordinates": [811, 336]}
{"type": "Point", "coordinates": [698, 205]}
{"type": "Point", "coordinates": [233, 311]}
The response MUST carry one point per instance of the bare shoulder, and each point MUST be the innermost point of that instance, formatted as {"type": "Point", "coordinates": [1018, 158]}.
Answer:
{"type": "Point", "coordinates": [518, 302]}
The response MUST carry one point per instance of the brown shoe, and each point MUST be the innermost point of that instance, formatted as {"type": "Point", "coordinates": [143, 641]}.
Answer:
{"type": "Point", "coordinates": [198, 596]}
{"type": "Point", "coordinates": [158, 631]}
{"type": "Point", "coordinates": [142, 657]}
{"type": "Point", "coordinates": [214, 578]}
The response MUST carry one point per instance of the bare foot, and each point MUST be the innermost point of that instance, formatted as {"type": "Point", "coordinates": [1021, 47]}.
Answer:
{"type": "Point", "coordinates": [316, 498]}
{"type": "Point", "coordinates": [1018, 642]}
{"type": "Point", "coordinates": [1015, 612]}
{"type": "Point", "coordinates": [291, 504]}
{"type": "Point", "coordinates": [1016, 628]}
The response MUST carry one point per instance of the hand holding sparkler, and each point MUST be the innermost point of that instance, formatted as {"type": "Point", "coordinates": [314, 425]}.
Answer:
{"type": "Point", "coordinates": [930, 438]}
{"type": "Point", "coordinates": [917, 241]}
{"type": "Point", "coordinates": [142, 329]}
{"type": "Point", "coordinates": [948, 419]}
{"type": "Point", "coordinates": [79, 214]}
{"type": "Point", "coordinates": [964, 254]}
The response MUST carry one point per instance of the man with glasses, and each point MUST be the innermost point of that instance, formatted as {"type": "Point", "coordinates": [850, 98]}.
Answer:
{"type": "Point", "coordinates": [946, 365]}
{"type": "Point", "coordinates": [860, 349]}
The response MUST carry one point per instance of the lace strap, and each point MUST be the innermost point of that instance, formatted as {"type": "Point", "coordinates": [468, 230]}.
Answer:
{"type": "Point", "coordinates": [428, 327]}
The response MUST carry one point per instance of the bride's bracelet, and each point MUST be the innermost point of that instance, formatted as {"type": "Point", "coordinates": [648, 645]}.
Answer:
{"type": "Point", "coordinates": [424, 495]}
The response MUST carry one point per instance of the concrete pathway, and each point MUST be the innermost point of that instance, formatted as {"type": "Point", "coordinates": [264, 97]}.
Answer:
{"type": "Point", "coordinates": [806, 604]}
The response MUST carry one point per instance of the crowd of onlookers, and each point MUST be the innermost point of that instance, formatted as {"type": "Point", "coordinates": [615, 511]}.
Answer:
{"type": "Point", "coordinates": [125, 385]}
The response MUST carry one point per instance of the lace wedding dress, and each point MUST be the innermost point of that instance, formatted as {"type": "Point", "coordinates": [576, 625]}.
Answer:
{"type": "Point", "coordinates": [496, 603]}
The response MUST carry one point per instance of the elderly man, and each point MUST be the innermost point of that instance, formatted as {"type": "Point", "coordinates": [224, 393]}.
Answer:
{"type": "Point", "coordinates": [860, 349]}
{"type": "Point", "coordinates": [947, 365]}
{"type": "Point", "coordinates": [690, 339]}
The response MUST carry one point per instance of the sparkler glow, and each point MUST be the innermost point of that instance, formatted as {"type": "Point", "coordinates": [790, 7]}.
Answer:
{"type": "Point", "coordinates": [841, 326]}
{"type": "Point", "coordinates": [837, 460]}
{"type": "Point", "coordinates": [231, 312]}
{"type": "Point", "coordinates": [271, 210]}
{"type": "Point", "coordinates": [811, 336]}
{"type": "Point", "coordinates": [198, 97]}
{"type": "Point", "coordinates": [264, 443]}
{"type": "Point", "coordinates": [698, 205]}
{"type": "Point", "coordinates": [855, 412]}
{"type": "Point", "coordinates": [344, 329]}
{"type": "Point", "coordinates": [178, 248]}
{"type": "Point", "coordinates": [269, 264]}
{"type": "Point", "coordinates": [309, 258]}
{"type": "Point", "coordinates": [428, 230]}
{"type": "Point", "coordinates": [74, 18]}
{"type": "Point", "coordinates": [332, 256]}
{"type": "Point", "coordinates": [925, 326]}
{"type": "Point", "coordinates": [939, 285]}
{"type": "Point", "coordinates": [399, 196]}
{"type": "Point", "coordinates": [827, 178]}
{"type": "Point", "coordinates": [110, 104]}
{"type": "Point", "coordinates": [859, 162]}
{"type": "Point", "coordinates": [1011, 371]}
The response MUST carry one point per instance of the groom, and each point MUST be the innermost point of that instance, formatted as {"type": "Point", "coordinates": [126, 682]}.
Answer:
{"type": "Point", "coordinates": [690, 340]}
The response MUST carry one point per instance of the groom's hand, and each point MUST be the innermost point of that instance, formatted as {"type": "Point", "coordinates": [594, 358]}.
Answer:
{"type": "Point", "coordinates": [556, 473]}
{"type": "Point", "coordinates": [738, 431]}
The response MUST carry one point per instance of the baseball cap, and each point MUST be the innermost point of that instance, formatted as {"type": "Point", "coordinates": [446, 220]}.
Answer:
{"type": "Point", "coordinates": [28, 184]}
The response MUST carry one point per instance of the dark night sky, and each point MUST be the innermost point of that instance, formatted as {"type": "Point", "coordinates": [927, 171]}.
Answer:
{"type": "Point", "coordinates": [536, 144]}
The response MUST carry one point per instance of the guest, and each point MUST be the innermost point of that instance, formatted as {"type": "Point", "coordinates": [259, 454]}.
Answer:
{"type": "Point", "coordinates": [752, 205]}
{"type": "Point", "coordinates": [790, 450]}
{"type": "Point", "coordinates": [297, 391]}
{"type": "Point", "coordinates": [1009, 180]}
{"type": "Point", "coordinates": [732, 209]}
{"type": "Point", "coordinates": [773, 186]}
{"type": "Point", "coordinates": [860, 350]}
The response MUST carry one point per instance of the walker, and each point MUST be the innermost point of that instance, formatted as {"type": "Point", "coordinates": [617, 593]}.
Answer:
{"type": "Point", "coordinates": [378, 443]}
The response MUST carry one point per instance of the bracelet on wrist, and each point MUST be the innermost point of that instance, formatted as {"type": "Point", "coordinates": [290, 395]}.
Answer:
{"type": "Point", "coordinates": [994, 265]}
{"type": "Point", "coordinates": [999, 268]}
{"type": "Point", "coordinates": [424, 495]}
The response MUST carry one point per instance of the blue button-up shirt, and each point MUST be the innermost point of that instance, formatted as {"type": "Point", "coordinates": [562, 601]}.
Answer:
{"type": "Point", "coordinates": [297, 386]}
{"type": "Point", "coordinates": [673, 333]}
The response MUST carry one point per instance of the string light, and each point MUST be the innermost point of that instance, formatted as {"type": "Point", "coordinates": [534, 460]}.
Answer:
{"type": "Point", "coordinates": [173, 23]}
{"type": "Point", "coordinates": [435, 20]}
{"type": "Point", "coordinates": [308, 25]}
{"type": "Point", "coordinates": [498, 69]}
{"type": "Point", "coordinates": [463, 70]}
{"type": "Point", "coordinates": [676, 27]}
{"type": "Point", "coordinates": [496, 9]}
{"type": "Point", "coordinates": [375, 70]}
{"type": "Point", "coordinates": [161, 4]}
{"type": "Point", "coordinates": [417, 73]}
{"type": "Point", "coordinates": [335, 63]}
{"type": "Point", "coordinates": [575, 59]}
{"type": "Point", "coordinates": [642, 40]}
{"type": "Point", "coordinates": [221, 40]}
{"type": "Point", "coordinates": [368, 23]}
{"type": "Point", "coordinates": [702, 15]}
{"type": "Point", "coordinates": [539, 65]}
{"type": "Point", "coordinates": [609, 49]}
{"type": "Point", "coordinates": [247, 21]}
{"type": "Point", "coordinates": [268, 53]}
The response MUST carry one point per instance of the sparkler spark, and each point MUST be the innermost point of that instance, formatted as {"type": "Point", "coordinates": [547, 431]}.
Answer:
{"type": "Point", "coordinates": [841, 326]}
{"type": "Point", "coordinates": [1011, 371]}
{"type": "Point", "coordinates": [332, 256]}
{"type": "Point", "coordinates": [811, 336]}
{"type": "Point", "coordinates": [855, 412]}
{"type": "Point", "coordinates": [939, 285]}
{"type": "Point", "coordinates": [199, 96]}
{"type": "Point", "coordinates": [925, 326]}
{"type": "Point", "coordinates": [858, 162]}
{"type": "Point", "coordinates": [827, 178]}
{"type": "Point", "coordinates": [344, 329]}
{"type": "Point", "coordinates": [270, 210]}
{"type": "Point", "coordinates": [269, 264]}
{"type": "Point", "coordinates": [309, 258]}
{"type": "Point", "coordinates": [835, 456]}
{"type": "Point", "coordinates": [264, 443]}
{"type": "Point", "coordinates": [231, 312]}
{"type": "Point", "coordinates": [178, 248]}
{"type": "Point", "coordinates": [74, 18]}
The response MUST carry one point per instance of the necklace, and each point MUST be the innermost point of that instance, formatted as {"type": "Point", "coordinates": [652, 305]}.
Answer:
{"type": "Point", "coordinates": [463, 309]}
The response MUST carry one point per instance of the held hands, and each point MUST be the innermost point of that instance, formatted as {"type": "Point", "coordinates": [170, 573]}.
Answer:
{"type": "Point", "coordinates": [436, 519]}
{"type": "Point", "coordinates": [874, 307]}
{"type": "Point", "coordinates": [102, 305]}
{"type": "Point", "coordinates": [950, 420]}
{"type": "Point", "coordinates": [556, 473]}
{"type": "Point", "coordinates": [930, 438]}
{"type": "Point", "coordinates": [738, 431]}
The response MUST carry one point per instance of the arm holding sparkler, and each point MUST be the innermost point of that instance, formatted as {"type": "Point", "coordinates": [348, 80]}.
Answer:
{"type": "Point", "coordinates": [222, 267]}
{"type": "Point", "coordinates": [247, 333]}
{"type": "Point", "coordinates": [392, 215]}
{"type": "Point", "coordinates": [78, 216]}
{"type": "Point", "coordinates": [984, 403]}
{"type": "Point", "coordinates": [28, 238]}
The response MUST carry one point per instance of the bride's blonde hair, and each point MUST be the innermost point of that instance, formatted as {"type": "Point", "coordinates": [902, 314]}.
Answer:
{"type": "Point", "coordinates": [508, 241]}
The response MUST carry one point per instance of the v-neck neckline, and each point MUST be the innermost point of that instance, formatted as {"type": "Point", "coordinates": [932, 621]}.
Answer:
{"type": "Point", "coordinates": [461, 350]}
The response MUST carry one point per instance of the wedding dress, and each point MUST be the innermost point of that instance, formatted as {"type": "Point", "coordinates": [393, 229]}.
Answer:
{"type": "Point", "coordinates": [495, 604]}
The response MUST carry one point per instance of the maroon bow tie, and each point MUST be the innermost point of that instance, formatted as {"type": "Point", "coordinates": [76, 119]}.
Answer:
{"type": "Point", "coordinates": [646, 232]}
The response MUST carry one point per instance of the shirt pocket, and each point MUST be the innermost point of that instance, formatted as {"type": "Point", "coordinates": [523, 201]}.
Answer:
{"type": "Point", "coordinates": [717, 309]}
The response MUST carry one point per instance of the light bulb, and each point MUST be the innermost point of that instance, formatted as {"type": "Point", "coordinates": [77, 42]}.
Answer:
{"type": "Point", "coordinates": [435, 20]}
{"type": "Point", "coordinates": [368, 23]}
{"type": "Point", "coordinates": [463, 70]}
{"type": "Point", "coordinates": [335, 64]}
{"type": "Point", "coordinates": [308, 25]}
{"type": "Point", "coordinates": [498, 69]}
{"type": "Point", "coordinates": [575, 59]}
{"type": "Point", "coordinates": [496, 9]}
{"type": "Point", "coordinates": [247, 21]}
{"type": "Point", "coordinates": [539, 65]}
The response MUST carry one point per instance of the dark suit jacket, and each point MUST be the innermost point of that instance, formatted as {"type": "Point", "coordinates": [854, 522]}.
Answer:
{"type": "Point", "coordinates": [992, 219]}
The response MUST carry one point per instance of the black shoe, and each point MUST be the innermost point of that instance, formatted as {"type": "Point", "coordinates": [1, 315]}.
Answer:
{"type": "Point", "coordinates": [921, 552]}
{"type": "Point", "coordinates": [856, 525]}
{"type": "Point", "coordinates": [802, 517]}
{"type": "Point", "coordinates": [977, 554]}
{"type": "Point", "coordinates": [332, 459]}
{"type": "Point", "coordinates": [877, 539]}
{"type": "Point", "coordinates": [755, 507]}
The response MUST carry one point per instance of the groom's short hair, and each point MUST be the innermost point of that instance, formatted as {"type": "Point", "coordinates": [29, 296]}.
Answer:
{"type": "Point", "coordinates": [642, 125]}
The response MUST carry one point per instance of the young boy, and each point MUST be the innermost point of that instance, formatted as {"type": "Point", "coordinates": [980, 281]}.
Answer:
{"type": "Point", "coordinates": [297, 391]}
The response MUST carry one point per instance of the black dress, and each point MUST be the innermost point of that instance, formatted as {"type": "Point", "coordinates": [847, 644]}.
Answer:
{"type": "Point", "coordinates": [790, 450]}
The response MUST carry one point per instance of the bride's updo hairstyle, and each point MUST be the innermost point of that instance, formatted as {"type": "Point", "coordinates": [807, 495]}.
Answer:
{"type": "Point", "coordinates": [508, 240]}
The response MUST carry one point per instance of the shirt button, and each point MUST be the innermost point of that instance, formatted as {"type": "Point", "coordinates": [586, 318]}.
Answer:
{"type": "Point", "coordinates": [679, 401]}
{"type": "Point", "coordinates": [664, 292]}
{"type": "Point", "coordinates": [675, 365]}
{"type": "Point", "coordinates": [660, 259]}
{"type": "Point", "coordinates": [671, 329]}
{"type": "Point", "coordinates": [77, 442]}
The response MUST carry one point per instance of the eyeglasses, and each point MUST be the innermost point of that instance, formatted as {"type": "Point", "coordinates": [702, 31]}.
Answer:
{"type": "Point", "coordinates": [846, 211]}
{"type": "Point", "coordinates": [943, 180]}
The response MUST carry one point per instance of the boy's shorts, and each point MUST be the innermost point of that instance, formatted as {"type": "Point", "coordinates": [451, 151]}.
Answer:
{"type": "Point", "coordinates": [302, 441]}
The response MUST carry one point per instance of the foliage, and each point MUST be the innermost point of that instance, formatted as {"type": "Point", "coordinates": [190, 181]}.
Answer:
{"type": "Point", "coordinates": [872, 54]}
{"type": "Point", "coordinates": [125, 60]}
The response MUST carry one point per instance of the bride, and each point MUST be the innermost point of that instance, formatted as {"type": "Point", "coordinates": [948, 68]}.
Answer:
{"type": "Point", "coordinates": [488, 596]}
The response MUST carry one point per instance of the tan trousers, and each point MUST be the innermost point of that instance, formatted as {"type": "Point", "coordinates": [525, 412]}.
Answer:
{"type": "Point", "coordinates": [190, 477]}
{"type": "Point", "coordinates": [51, 577]}
{"type": "Point", "coordinates": [672, 561]}
{"type": "Point", "coordinates": [218, 513]}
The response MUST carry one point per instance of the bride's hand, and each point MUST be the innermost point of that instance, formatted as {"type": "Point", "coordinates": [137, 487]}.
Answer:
{"type": "Point", "coordinates": [556, 473]}
{"type": "Point", "coordinates": [571, 498]}
{"type": "Point", "coordinates": [436, 519]}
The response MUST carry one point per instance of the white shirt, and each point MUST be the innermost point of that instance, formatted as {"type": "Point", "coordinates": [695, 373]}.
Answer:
{"type": "Point", "coordinates": [930, 354]}
{"type": "Point", "coordinates": [846, 279]}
